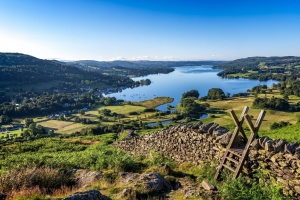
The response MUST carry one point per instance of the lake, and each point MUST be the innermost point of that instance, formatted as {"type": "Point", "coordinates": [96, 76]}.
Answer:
{"type": "Point", "coordinates": [201, 78]}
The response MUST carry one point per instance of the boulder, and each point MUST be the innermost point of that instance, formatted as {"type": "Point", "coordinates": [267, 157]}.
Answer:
{"type": "Point", "coordinates": [154, 182]}
{"type": "Point", "coordinates": [128, 177]}
{"type": "Point", "coordinates": [88, 195]}
{"type": "Point", "coordinates": [207, 186]}
{"type": "Point", "coordinates": [86, 177]}
{"type": "Point", "coordinates": [128, 193]}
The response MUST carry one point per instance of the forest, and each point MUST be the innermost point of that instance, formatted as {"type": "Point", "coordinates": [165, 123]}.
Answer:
{"type": "Point", "coordinates": [262, 68]}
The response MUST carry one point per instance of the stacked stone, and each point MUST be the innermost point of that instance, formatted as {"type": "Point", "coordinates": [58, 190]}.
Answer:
{"type": "Point", "coordinates": [183, 143]}
{"type": "Point", "coordinates": [203, 143]}
{"type": "Point", "coordinates": [281, 159]}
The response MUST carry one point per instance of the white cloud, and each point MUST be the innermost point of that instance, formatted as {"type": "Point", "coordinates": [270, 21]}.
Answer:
{"type": "Point", "coordinates": [141, 58]}
{"type": "Point", "coordinates": [170, 58]}
{"type": "Point", "coordinates": [120, 58]}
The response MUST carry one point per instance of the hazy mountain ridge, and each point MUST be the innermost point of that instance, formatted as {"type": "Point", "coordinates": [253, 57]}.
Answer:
{"type": "Point", "coordinates": [141, 63]}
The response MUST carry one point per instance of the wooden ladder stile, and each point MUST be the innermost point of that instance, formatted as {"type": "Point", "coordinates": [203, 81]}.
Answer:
{"type": "Point", "coordinates": [238, 123]}
{"type": "Point", "coordinates": [240, 152]}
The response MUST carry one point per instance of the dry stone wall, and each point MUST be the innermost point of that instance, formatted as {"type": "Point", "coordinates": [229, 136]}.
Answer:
{"type": "Point", "coordinates": [199, 143]}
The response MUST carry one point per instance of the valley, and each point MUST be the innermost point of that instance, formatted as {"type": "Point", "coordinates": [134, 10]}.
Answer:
{"type": "Point", "coordinates": [74, 124]}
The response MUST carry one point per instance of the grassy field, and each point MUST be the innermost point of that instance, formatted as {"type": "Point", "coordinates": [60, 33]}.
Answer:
{"type": "Point", "coordinates": [220, 109]}
{"type": "Point", "coordinates": [219, 113]}
{"type": "Point", "coordinates": [243, 75]}
{"type": "Point", "coordinates": [67, 127]}
{"type": "Point", "coordinates": [61, 127]}
{"type": "Point", "coordinates": [153, 103]}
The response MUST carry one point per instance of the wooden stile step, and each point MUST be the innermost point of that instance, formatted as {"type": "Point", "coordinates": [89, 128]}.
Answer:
{"type": "Point", "coordinates": [230, 168]}
{"type": "Point", "coordinates": [241, 151]}
{"type": "Point", "coordinates": [238, 151]}
{"type": "Point", "coordinates": [232, 160]}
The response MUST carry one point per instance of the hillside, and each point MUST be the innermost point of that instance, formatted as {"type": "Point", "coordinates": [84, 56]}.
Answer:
{"type": "Point", "coordinates": [261, 62]}
{"type": "Point", "coordinates": [262, 68]}
{"type": "Point", "coordinates": [135, 68]}
{"type": "Point", "coordinates": [141, 63]}
{"type": "Point", "coordinates": [17, 70]}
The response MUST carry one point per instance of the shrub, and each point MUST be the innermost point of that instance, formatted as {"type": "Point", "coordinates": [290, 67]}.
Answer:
{"type": "Point", "coordinates": [244, 189]}
{"type": "Point", "coordinates": [281, 124]}
{"type": "Point", "coordinates": [133, 113]}
{"type": "Point", "coordinates": [45, 178]}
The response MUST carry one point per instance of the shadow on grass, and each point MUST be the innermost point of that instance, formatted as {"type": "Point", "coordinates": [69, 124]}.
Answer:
{"type": "Point", "coordinates": [216, 111]}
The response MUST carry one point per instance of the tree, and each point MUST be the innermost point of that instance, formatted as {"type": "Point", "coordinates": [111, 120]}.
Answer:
{"type": "Point", "coordinates": [215, 94]}
{"type": "Point", "coordinates": [27, 122]}
{"type": "Point", "coordinates": [191, 93]}
{"type": "Point", "coordinates": [159, 124]}
{"type": "Point", "coordinates": [81, 112]}
{"type": "Point", "coordinates": [4, 119]}
{"type": "Point", "coordinates": [190, 107]}
{"type": "Point", "coordinates": [105, 112]}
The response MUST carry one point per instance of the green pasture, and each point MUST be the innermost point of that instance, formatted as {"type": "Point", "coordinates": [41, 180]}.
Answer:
{"type": "Point", "coordinates": [62, 127]}
{"type": "Point", "coordinates": [219, 113]}
{"type": "Point", "coordinates": [243, 75]}
{"type": "Point", "coordinates": [153, 103]}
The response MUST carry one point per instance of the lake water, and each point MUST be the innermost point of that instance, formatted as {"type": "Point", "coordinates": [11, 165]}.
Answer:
{"type": "Point", "coordinates": [201, 78]}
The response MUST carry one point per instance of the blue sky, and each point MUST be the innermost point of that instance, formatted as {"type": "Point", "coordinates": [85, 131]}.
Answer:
{"type": "Point", "coordinates": [150, 29]}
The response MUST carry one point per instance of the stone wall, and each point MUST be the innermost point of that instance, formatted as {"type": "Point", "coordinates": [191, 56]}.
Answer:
{"type": "Point", "coordinates": [198, 143]}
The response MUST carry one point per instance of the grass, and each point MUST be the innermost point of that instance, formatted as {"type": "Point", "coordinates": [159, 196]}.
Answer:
{"type": "Point", "coordinates": [243, 75]}
{"type": "Point", "coordinates": [220, 110]}
{"type": "Point", "coordinates": [124, 109]}
{"type": "Point", "coordinates": [289, 133]}
{"type": "Point", "coordinates": [153, 103]}
{"type": "Point", "coordinates": [65, 127]}
{"type": "Point", "coordinates": [62, 127]}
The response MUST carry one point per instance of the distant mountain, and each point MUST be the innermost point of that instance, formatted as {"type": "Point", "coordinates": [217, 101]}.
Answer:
{"type": "Point", "coordinates": [260, 62]}
{"type": "Point", "coordinates": [86, 64]}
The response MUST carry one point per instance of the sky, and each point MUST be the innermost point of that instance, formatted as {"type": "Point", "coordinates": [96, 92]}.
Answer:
{"type": "Point", "coordinates": [150, 29]}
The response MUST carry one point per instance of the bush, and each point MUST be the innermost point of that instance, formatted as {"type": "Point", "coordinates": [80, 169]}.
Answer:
{"type": "Point", "coordinates": [245, 189]}
{"type": "Point", "coordinates": [45, 178]}
{"type": "Point", "coordinates": [281, 124]}
{"type": "Point", "coordinates": [133, 113]}
{"type": "Point", "coordinates": [150, 110]}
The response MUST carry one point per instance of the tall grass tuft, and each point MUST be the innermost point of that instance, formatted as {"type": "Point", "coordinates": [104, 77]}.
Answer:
{"type": "Point", "coordinates": [44, 178]}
